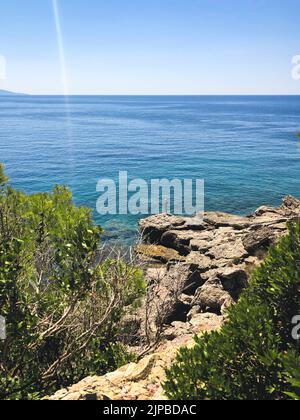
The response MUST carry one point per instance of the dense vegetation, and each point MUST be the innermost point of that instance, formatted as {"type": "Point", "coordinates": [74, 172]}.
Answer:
{"type": "Point", "coordinates": [254, 356]}
{"type": "Point", "coordinates": [62, 303]}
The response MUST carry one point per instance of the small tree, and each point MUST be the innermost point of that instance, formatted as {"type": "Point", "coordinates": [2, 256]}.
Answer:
{"type": "Point", "coordinates": [62, 306]}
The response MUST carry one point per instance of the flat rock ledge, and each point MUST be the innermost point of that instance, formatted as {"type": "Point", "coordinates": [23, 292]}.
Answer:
{"type": "Point", "coordinates": [196, 270]}
{"type": "Point", "coordinates": [142, 380]}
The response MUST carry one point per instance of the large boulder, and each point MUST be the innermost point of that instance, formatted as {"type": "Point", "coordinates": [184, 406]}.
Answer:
{"type": "Point", "coordinates": [199, 262]}
{"type": "Point", "coordinates": [291, 206]}
{"type": "Point", "coordinates": [206, 322]}
{"type": "Point", "coordinates": [165, 296]}
{"type": "Point", "coordinates": [267, 210]}
{"type": "Point", "coordinates": [258, 240]}
{"type": "Point", "coordinates": [218, 219]}
{"type": "Point", "coordinates": [178, 240]}
{"type": "Point", "coordinates": [289, 210]}
{"type": "Point", "coordinates": [153, 227]}
{"type": "Point", "coordinates": [233, 250]}
{"type": "Point", "coordinates": [199, 323]}
{"type": "Point", "coordinates": [233, 279]}
{"type": "Point", "coordinates": [212, 297]}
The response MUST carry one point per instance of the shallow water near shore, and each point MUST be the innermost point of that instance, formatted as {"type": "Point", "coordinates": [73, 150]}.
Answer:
{"type": "Point", "coordinates": [244, 148]}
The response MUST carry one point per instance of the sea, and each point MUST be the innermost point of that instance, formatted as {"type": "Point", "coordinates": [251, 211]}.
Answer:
{"type": "Point", "coordinates": [245, 148]}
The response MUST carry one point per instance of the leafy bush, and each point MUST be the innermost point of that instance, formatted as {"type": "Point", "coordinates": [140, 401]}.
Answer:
{"type": "Point", "coordinates": [62, 306]}
{"type": "Point", "coordinates": [292, 374]}
{"type": "Point", "coordinates": [253, 356]}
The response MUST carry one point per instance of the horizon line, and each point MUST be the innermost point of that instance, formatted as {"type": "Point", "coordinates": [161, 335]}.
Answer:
{"type": "Point", "coordinates": [13, 93]}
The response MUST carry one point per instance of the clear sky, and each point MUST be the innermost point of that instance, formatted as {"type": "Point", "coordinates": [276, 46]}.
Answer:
{"type": "Point", "coordinates": [151, 46]}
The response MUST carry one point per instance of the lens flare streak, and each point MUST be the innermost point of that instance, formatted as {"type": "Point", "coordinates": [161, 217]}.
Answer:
{"type": "Point", "coordinates": [65, 86]}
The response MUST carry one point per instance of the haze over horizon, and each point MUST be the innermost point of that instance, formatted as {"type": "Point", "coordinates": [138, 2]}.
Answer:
{"type": "Point", "coordinates": [7, 92]}
{"type": "Point", "coordinates": [191, 47]}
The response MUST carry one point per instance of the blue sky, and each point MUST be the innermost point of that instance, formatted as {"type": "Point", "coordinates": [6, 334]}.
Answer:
{"type": "Point", "coordinates": [151, 46]}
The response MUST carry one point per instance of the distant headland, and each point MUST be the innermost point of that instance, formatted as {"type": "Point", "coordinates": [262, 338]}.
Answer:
{"type": "Point", "coordinates": [9, 93]}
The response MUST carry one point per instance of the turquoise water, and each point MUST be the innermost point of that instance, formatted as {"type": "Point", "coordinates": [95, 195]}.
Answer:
{"type": "Point", "coordinates": [244, 147]}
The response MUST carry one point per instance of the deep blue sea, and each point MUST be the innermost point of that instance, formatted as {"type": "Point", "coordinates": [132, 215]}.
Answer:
{"type": "Point", "coordinates": [244, 147]}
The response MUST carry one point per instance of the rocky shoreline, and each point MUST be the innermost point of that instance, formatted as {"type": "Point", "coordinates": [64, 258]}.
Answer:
{"type": "Point", "coordinates": [206, 265]}
{"type": "Point", "coordinates": [196, 270]}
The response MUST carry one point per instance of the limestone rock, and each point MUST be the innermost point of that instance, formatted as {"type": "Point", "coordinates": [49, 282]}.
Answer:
{"type": "Point", "coordinates": [268, 219]}
{"type": "Point", "coordinates": [199, 323]}
{"type": "Point", "coordinates": [212, 298]}
{"type": "Point", "coordinates": [177, 329]}
{"type": "Point", "coordinates": [259, 239]}
{"type": "Point", "coordinates": [155, 274]}
{"type": "Point", "coordinates": [206, 322]}
{"type": "Point", "coordinates": [141, 380]}
{"type": "Point", "coordinates": [199, 261]}
{"type": "Point", "coordinates": [196, 309]}
{"type": "Point", "coordinates": [231, 251]}
{"type": "Point", "coordinates": [219, 219]}
{"type": "Point", "coordinates": [233, 279]}
{"type": "Point", "coordinates": [159, 253]}
{"type": "Point", "coordinates": [291, 206]}
{"type": "Point", "coordinates": [265, 209]}
{"type": "Point", "coordinates": [186, 299]}
{"type": "Point", "coordinates": [202, 241]}
{"type": "Point", "coordinates": [165, 303]}
{"type": "Point", "coordinates": [178, 240]}
{"type": "Point", "coordinates": [153, 227]}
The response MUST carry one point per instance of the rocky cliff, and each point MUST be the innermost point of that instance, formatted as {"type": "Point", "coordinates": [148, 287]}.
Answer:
{"type": "Point", "coordinates": [196, 270]}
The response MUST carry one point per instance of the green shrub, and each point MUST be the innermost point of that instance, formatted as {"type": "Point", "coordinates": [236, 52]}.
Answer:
{"type": "Point", "coordinates": [62, 307]}
{"type": "Point", "coordinates": [253, 356]}
{"type": "Point", "coordinates": [292, 373]}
